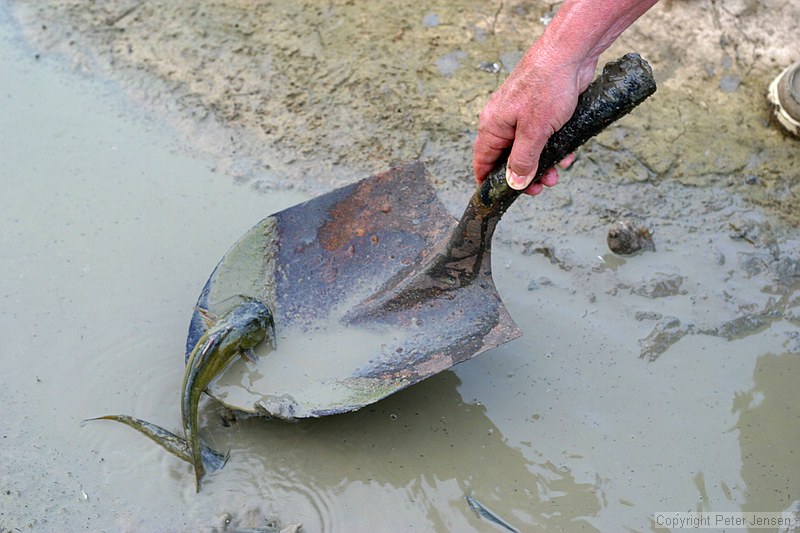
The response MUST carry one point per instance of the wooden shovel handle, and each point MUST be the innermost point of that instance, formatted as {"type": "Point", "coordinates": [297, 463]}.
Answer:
{"type": "Point", "coordinates": [623, 84]}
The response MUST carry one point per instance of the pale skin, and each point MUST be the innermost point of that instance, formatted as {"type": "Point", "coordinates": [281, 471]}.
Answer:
{"type": "Point", "coordinates": [541, 93]}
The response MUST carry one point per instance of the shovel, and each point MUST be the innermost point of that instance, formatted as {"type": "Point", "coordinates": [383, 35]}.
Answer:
{"type": "Point", "coordinates": [375, 286]}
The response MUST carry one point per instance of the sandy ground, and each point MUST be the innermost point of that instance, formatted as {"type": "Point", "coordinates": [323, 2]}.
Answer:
{"type": "Point", "coordinates": [664, 381]}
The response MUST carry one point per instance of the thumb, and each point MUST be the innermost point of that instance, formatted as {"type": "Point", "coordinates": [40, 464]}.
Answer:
{"type": "Point", "coordinates": [523, 161]}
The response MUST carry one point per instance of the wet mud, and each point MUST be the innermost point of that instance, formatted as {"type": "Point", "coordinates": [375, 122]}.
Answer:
{"type": "Point", "coordinates": [658, 381]}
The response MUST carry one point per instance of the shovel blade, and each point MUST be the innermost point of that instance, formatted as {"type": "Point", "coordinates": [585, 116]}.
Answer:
{"type": "Point", "coordinates": [315, 262]}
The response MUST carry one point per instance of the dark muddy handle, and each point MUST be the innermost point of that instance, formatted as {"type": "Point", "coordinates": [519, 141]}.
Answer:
{"type": "Point", "coordinates": [624, 84]}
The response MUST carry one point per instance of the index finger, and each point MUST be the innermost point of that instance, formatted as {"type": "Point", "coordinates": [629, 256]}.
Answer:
{"type": "Point", "coordinates": [494, 138]}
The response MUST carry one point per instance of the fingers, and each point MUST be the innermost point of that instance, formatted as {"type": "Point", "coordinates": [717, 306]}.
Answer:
{"type": "Point", "coordinates": [524, 160]}
{"type": "Point", "coordinates": [486, 152]}
{"type": "Point", "coordinates": [491, 143]}
{"type": "Point", "coordinates": [548, 179]}
{"type": "Point", "coordinates": [495, 135]}
{"type": "Point", "coordinates": [567, 161]}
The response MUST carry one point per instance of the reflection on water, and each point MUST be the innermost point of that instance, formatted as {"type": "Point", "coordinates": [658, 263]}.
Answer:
{"type": "Point", "coordinates": [769, 434]}
{"type": "Point", "coordinates": [424, 443]}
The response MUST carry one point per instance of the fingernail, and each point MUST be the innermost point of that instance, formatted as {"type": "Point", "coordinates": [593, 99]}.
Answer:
{"type": "Point", "coordinates": [515, 181]}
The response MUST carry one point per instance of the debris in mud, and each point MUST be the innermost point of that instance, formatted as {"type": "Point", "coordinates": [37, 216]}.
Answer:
{"type": "Point", "coordinates": [647, 315]}
{"type": "Point", "coordinates": [254, 516]}
{"type": "Point", "coordinates": [792, 343]}
{"type": "Point", "coordinates": [541, 281]}
{"type": "Point", "coordinates": [625, 238]}
{"type": "Point", "coordinates": [666, 332]}
{"type": "Point", "coordinates": [563, 258]}
{"type": "Point", "coordinates": [740, 327]}
{"type": "Point", "coordinates": [229, 417]}
{"type": "Point", "coordinates": [754, 264]}
{"type": "Point", "coordinates": [490, 67]}
{"type": "Point", "coordinates": [660, 286]}
{"type": "Point", "coordinates": [547, 17]}
{"type": "Point", "coordinates": [752, 232]}
{"type": "Point", "coordinates": [792, 312]}
{"type": "Point", "coordinates": [669, 329]}
{"type": "Point", "coordinates": [613, 291]}
{"type": "Point", "coordinates": [784, 269]}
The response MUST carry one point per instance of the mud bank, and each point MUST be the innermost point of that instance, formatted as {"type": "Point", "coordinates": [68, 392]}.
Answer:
{"type": "Point", "coordinates": [662, 381]}
{"type": "Point", "coordinates": [317, 95]}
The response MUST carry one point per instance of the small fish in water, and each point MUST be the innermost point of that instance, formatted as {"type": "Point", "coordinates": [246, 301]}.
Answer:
{"type": "Point", "coordinates": [235, 333]}
{"type": "Point", "coordinates": [488, 514]}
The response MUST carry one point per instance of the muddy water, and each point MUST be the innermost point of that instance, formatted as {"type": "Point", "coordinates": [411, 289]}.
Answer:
{"type": "Point", "coordinates": [109, 232]}
{"type": "Point", "coordinates": [279, 382]}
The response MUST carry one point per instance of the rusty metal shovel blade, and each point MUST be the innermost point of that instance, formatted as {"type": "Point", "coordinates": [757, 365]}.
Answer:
{"type": "Point", "coordinates": [375, 286]}
{"type": "Point", "coordinates": [312, 264]}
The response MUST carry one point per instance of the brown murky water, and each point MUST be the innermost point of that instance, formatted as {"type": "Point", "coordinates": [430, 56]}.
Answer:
{"type": "Point", "coordinates": [109, 232]}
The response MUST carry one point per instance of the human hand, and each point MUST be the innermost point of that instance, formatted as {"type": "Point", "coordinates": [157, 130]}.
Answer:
{"type": "Point", "coordinates": [534, 102]}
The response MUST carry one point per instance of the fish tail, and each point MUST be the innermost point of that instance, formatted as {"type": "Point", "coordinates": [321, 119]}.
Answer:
{"type": "Point", "coordinates": [199, 474]}
{"type": "Point", "coordinates": [166, 439]}
{"type": "Point", "coordinates": [169, 441]}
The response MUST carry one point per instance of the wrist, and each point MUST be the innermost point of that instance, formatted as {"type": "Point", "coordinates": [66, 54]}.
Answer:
{"type": "Point", "coordinates": [555, 59]}
{"type": "Point", "coordinates": [584, 29]}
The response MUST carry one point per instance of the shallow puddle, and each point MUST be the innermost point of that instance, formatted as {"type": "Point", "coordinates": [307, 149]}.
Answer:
{"type": "Point", "coordinates": [109, 233]}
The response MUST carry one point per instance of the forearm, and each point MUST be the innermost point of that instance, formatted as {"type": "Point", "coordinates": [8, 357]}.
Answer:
{"type": "Point", "coordinates": [584, 29]}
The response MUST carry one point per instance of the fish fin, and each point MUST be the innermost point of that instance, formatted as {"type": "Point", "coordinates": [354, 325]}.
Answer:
{"type": "Point", "coordinates": [213, 459]}
{"type": "Point", "coordinates": [209, 317]}
{"type": "Point", "coordinates": [249, 355]}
